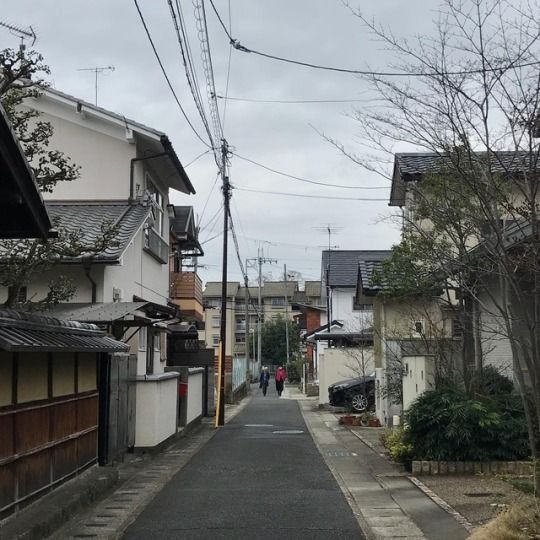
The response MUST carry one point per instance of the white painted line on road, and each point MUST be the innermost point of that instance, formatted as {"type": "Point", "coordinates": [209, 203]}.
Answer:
{"type": "Point", "coordinates": [288, 432]}
{"type": "Point", "coordinates": [258, 425]}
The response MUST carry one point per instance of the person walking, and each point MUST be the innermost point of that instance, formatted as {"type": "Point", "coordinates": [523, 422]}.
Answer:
{"type": "Point", "coordinates": [281, 375]}
{"type": "Point", "coordinates": [264, 380]}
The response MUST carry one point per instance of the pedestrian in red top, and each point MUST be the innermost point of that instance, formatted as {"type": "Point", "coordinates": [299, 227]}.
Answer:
{"type": "Point", "coordinates": [281, 375]}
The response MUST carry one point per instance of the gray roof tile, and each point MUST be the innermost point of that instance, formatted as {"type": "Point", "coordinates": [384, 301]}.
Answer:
{"type": "Point", "coordinates": [87, 219]}
{"type": "Point", "coordinates": [344, 265]}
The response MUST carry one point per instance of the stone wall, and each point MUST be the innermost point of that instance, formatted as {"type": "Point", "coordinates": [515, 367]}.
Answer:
{"type": "Point", "coordinates": [434, 468]}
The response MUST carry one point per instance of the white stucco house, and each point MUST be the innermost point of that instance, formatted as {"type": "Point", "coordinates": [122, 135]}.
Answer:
{"type": "Point", "coordinates": [347, 350]}
{"type": "Point", "coordinates": [126, 173]}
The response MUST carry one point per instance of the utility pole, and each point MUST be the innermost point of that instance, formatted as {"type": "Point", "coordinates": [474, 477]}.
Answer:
{"type": "Point", "coordinates": [97, 71]}
{"type": "Point", "coordinates": [286, 312]}
{"type": "Point", "coordinates": [246, 325]}
{"type": "Point", "coordinates": [226, 189]}
{"type": "Point", "coordinates": [259, 261]}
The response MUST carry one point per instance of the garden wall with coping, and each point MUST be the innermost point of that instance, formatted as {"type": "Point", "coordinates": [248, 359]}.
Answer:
{"type": "Point", "coordinates": [432, 468]}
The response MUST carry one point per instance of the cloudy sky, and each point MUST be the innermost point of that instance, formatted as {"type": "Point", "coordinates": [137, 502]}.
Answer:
{"type": "Point", "coordinates": [73, 34]}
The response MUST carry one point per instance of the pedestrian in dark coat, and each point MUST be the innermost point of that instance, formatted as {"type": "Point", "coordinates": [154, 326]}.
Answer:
{"type": "Point", "coordinates": [264, 380]}
{"type": "Point", "coordinates": [281, 375]}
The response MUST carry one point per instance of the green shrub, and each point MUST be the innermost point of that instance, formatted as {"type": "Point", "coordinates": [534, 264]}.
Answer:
{"type": "Point", "coordinates": [447, 425]}
{"type": "Point", "coordinates": [294, 371]}
{"type": "Point", "coordinates": [395, 441]}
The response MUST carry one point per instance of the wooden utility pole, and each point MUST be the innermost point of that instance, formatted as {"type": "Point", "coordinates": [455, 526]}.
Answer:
{"type": "Point", "coordinates": [286, 312]}
{"type": "Point", "coordinates": [226, 188]}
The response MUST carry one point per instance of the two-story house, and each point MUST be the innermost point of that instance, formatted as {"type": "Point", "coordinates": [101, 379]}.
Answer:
{"type": "Point", "coordinates": [127, 170]}
{"type": "Point", "coordinates": [51, 372]}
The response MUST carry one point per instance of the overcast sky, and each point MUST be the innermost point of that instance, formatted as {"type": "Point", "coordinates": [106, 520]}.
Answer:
{"type": "Point", "coordinates": [73, 34]}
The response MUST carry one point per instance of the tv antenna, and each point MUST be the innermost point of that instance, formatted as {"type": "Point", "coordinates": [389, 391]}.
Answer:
{"type": "Point", "coordinates": [97, 71]}
{"type": "Point", "coordinates": [22, 33]}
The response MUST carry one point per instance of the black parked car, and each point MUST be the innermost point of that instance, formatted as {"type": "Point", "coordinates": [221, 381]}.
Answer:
{"type": "Point", "coordinates": [353, 395]}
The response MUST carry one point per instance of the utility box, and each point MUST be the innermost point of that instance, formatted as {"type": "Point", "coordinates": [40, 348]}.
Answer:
{"type": "Point", "coordinates": [418, 376]}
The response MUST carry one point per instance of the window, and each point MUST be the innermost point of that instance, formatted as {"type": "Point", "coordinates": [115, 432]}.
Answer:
{"type": "Point", "coordinates": [457, 329]}
{"type": "Point", "coordinates": [212, 302]}
{"type": "Point", "coordinates": [157, 341]}
{"type": "Point", "coordinates": [142, 338]}
{"type": "Point", "coordinates": [240, 338]}
{"type": "Point", "coordinates": [418, 328]}
{"type": "Point", "coordinates": [276, 302]}
{"type": "Point", "coordinates": [215, 340]}
{"type": "Point", "coordinates": [158, 204]}
{"type": "Point", "coordinates": [361, 307]}
{"type": "Point", "coordinates": [216, 321]}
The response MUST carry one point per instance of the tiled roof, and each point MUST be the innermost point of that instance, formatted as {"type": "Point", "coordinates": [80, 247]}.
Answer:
{"type": "Point", "coordinates": [366, 269]}
{"type": "Point", "coordinates": [21, 331]}
{"type": "Point", "coordinates": [87, 220]}
{"type": "Point", "coordinates": [272, 289]}
{"type": "Point", "coordinates": [344, 265]}
{"type": "Point", "coordinates": [213, 289]}
{"type": "Point", "coordinates": [421, 163]}
{"type": "Point", "coordinates": [253, 292]}
{"type": "Point", "coordinates": [412, 165]}
{"type": "Point", "coordinates": [313, 288]}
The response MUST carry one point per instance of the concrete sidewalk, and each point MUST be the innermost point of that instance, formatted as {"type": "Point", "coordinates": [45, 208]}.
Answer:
{"type": "Point", "coordinates": [387, 504]}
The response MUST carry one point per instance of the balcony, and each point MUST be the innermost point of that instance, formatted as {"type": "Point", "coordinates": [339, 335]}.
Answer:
{"type": "Point", "coordinates": [240, 328]}
{"type": "Point", "coordinates": [155, 245]}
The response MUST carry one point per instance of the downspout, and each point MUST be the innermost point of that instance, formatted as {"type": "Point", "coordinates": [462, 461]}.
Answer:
{"type": "Point", "coordinates": [132, 168]}
{"type": "Point", "coordinates": [87, 265]}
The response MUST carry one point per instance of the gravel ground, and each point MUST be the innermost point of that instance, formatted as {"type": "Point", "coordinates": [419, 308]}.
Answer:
{"type": "Point", "coordinates": [473, 496]}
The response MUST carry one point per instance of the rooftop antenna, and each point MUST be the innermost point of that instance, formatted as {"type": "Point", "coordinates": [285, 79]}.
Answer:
{"type": "Point", "coordinates": [22, 33]}
{"type": "Point", "coordinates": [97, 70]}
{"type": "Point", "coordinates": [328, 229]}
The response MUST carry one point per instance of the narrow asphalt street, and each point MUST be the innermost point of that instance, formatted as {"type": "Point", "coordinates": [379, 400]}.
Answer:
{"type": "Point", "coordinates": [260, 476]}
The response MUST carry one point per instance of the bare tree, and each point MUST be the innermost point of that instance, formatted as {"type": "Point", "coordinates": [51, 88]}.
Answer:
{"type": "Point", "coordinates": [471, 98]}
{"type": "Point", "coordinates": [21, 260]}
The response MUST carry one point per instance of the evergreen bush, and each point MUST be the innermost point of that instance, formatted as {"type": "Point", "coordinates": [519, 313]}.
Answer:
{"type": "Point", "coordinates": [447, 425]}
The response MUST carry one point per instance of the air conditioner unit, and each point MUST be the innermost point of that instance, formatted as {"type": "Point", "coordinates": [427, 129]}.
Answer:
{"type": "Point", "coordinates": [117, 294]}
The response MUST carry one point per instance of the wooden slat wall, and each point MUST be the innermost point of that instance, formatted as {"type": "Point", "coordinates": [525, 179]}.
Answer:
{"type": "Point", "coordinates": [43, 442]}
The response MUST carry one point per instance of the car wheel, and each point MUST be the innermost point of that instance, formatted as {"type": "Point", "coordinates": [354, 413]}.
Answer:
{"type": "Point", "coordinates": [359, 402]}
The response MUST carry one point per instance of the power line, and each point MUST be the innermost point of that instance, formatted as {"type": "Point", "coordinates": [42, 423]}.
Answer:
{"type": "Point", "coordinates": [295, 101]}
{"type": "Point", "coordinates": [200, 21]}
{"type": "Point", "coordinates": [308, 196]}
{"type": "Point", "coordinates": [228, 70]}
{"type": "Point", "coordinates": [195, 159]}
{"type": "Point", "coordinates": [238, 46]}
{"type": "Point", "coordinates": [299, 178]}
{"type": "Point", "coordinates": [187, 60]}
{"type": "Point", "coordinates": [166, 76]}
{"type": "Point", "coordinates": [208, 199]}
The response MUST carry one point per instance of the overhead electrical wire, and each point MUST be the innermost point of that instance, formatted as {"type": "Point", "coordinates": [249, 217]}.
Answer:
{"type": "Point", "coordinates": [228, 71]}
{"type": "Point", "coordinates": [326, 197]}
{"type": "Point", "coordinates": [191, 75]}
{"type": "Point", "coordinates": [297, 101]}
{"type": "Point", "coordinates": [238, 46]}
{"type": "Point", "coordinates": [241, 265]}
{"type": "Point", "coordinates": [197, 158]}
{"type": "Point", "coordinates": [202, 32]}
{"type": "Point", "coordinates": [171, 88]}
{"type": "Point", "coordinates": [300, 179]}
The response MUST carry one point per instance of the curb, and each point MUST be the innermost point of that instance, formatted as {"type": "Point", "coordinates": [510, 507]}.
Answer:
{"type": "Point", "coordinates": [442, 503]}
{"type": "Point", "coordinates": [360, 519]}
{"type": "Point", "coordinates": [462, 520]}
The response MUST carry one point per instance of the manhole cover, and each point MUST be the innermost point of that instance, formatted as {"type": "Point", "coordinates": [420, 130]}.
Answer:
{"type": "Point", "coordinates": [288, 432]}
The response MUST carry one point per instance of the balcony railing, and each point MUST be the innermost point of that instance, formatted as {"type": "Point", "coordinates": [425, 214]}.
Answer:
{"type": "Point", "coordinates": [156, 246]}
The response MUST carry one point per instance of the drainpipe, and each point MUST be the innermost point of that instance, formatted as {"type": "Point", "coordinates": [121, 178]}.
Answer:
{"type": "Point", "coordinates": [87, 265]}
{"type": "Point", "coordinates": [132, 168]}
